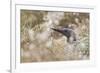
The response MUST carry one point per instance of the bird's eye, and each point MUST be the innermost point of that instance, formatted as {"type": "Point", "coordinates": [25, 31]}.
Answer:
{"type": "Point", "coordinates": [65, 30]}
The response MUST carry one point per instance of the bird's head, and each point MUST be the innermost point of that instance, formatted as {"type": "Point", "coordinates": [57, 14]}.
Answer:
{"type": "Point", "coordinates": [69, 33]}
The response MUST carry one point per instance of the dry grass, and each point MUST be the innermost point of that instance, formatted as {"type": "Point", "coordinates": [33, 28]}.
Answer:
{"type": "Point", "coordinates": [41, 44]}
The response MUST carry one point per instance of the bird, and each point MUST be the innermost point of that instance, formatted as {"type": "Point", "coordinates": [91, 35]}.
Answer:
{"type": "Point", "coordinates": [67, 32]}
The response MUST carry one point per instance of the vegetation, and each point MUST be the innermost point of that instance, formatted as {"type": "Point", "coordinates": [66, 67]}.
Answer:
{"type": "Point", "coordinates": [39, 43]}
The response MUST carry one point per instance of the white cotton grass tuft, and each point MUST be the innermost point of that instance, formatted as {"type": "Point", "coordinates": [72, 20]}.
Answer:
{"type": "Point", "coordinates": [42, 37]}
{"type": "Point", "coordinates": [31, 34]}
{"type": "Point", "coordinates": [49, 44]}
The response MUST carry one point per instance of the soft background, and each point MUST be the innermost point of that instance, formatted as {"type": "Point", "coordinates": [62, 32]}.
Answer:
{"type": "Point", "coordinates": [40, 43]}
{"type": "Point", "coordinates": [5, 35]}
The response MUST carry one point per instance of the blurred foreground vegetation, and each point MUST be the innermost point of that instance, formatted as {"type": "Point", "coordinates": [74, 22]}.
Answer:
{"type": "Point", "coordinates": [41, 44]}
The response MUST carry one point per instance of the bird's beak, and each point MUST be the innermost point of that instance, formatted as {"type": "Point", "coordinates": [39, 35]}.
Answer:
{"type": "Point", "coordinates": [57, 29]}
